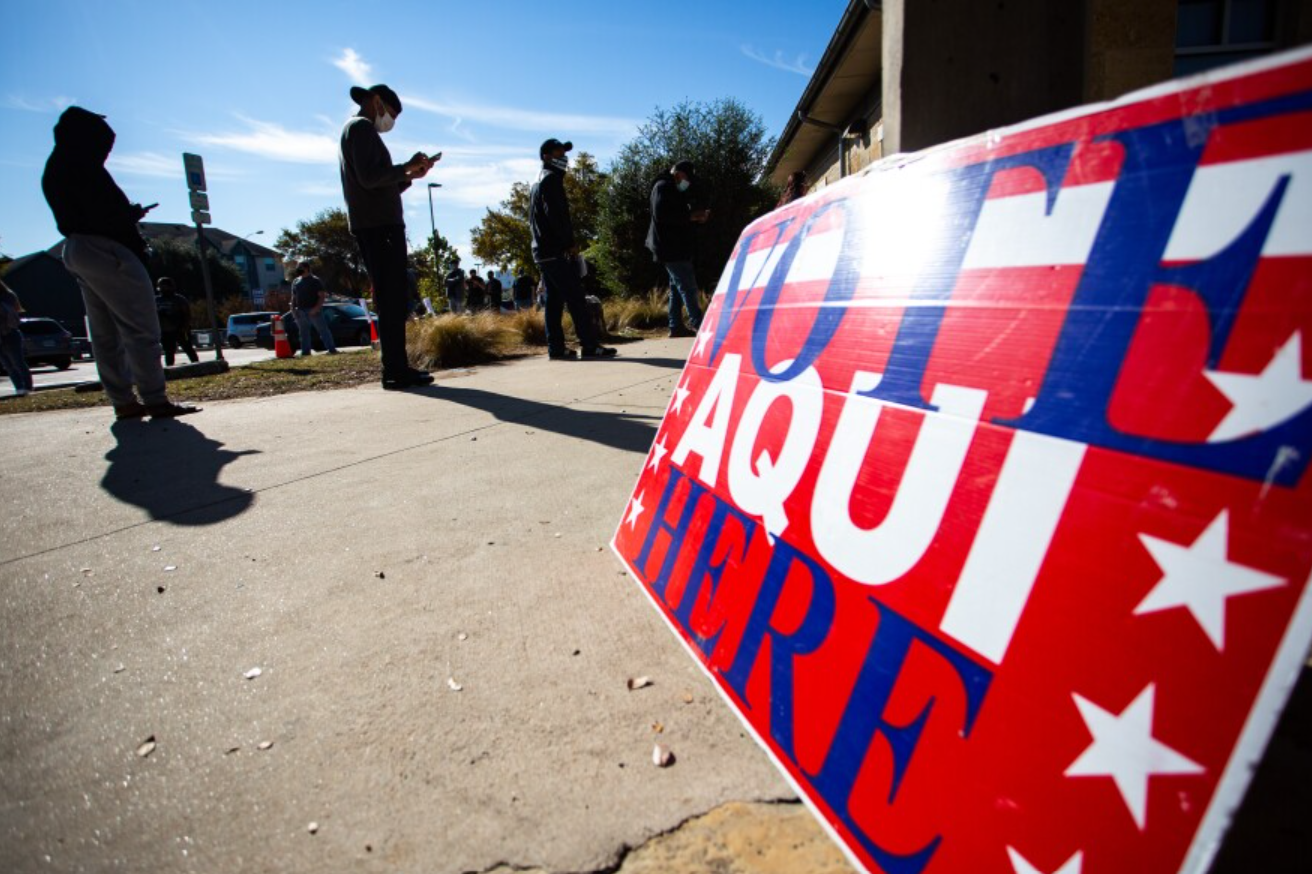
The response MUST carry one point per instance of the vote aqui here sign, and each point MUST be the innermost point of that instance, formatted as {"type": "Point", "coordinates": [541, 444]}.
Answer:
{"type": "Point", "coordinates": [984, 498]}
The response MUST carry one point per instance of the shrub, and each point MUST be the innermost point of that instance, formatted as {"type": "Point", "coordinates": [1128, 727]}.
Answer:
{"type": "Point", "coordinates": [641, 313]}
{"type": "Point", "coordinates": [531, 326]}
{"type": "Point", "coordinates": [459, 341]}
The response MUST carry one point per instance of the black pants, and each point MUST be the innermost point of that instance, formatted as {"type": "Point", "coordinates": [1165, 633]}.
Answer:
{"type": "Point", "coordinates": [384, 254]}
{"type": "Point", "coordinates": [171, 340]}
{"type": "Point", "coordinates": [565, 290]}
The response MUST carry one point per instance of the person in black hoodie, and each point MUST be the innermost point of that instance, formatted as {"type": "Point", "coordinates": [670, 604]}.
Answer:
{"type": "Point", "coordinates": [672, 241]}
{"type": "Point", "coordinates": [556, 252]}
{"type": "Point", "coordinates": [105, 251]}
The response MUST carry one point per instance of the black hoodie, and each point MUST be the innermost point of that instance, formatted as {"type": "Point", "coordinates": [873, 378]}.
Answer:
{"type": "Point", "coordinates": [80, 191]}
{"type": "Point", "coordinates": [671, 236]}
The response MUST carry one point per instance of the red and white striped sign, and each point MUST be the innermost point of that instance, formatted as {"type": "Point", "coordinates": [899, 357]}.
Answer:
{"type": "Point", "coordinates": [983, 497]}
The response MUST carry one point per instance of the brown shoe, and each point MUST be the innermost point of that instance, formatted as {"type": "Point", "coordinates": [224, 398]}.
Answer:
{"type": "Point", "coordinates": [169, 410]}
{"type": "Point", "coordinates": [133, 410]}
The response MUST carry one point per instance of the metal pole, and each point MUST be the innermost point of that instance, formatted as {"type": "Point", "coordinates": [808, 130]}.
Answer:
{"type": "Point", "coordinates": [215, 338]}
{"type": "Point", "coordinates": [431, 221]}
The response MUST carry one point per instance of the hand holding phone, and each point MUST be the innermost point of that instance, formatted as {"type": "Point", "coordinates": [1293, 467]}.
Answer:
{"type": "Point", "coordinates": [434, 158]}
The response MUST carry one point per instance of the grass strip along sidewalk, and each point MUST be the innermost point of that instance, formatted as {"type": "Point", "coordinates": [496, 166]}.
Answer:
{"type": "Point", "coordinates": [434, 343]}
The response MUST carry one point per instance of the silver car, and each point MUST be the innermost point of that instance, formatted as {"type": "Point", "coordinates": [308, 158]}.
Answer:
{"type": "Point", "coordinates": [241, 327]}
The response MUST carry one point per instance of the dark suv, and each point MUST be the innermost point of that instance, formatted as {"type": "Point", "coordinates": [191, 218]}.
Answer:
{"type": "Point", "coordinates": [46, 342]}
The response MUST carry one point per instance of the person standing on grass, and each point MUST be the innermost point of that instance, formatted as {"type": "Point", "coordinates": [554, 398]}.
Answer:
{"type": "Point", "coordinates": [494, 290]}
{"type": "Point", "coordinates": [475, 291]}
{"type": "Point", "coordinates": [523, 292]}
{"type": "Point", "coordinates": [308, 298]}
{"type": "Point", "coordinates": [12, 355]}
{"type": "Point", "coordinates": [455, 289]}
{"type": "Point", "coordinates": [673, 242]}
{"type": "Point", "coordinates": [372, 186]}
{"type": "Point", "coordinates": [174, 321]}
{"type": "Point", "coordinates": [556, 252]}
{"type": "Point", "coordinates": [105, 252]}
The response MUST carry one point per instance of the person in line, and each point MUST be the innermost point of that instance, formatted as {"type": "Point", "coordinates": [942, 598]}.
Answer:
{"type": "Point", "coordinates": [105, 252]}
{"type": "Point", "coordinates": [555, 251]}
{"type": "Point", "coordinates": [794, 189]}
{"type": "Point", "coordinates": [494, 292]}
{"type": "Point", "coordinates": [174, 321]}
{"type": "Point", "coordinates": [308, 297]}
{"type": "Point", "coordinates": [475, 291]}
{"type": "Point", "coordinates": [12, 355]}
{"type": "Point", "coordinates": [523, 292]}
{"type": "Point", "coordinates": [672, 241]}
{"type": "Point", "coordinates": [455, 289]}
{"type": "Point", "coordinates": [372, 186]}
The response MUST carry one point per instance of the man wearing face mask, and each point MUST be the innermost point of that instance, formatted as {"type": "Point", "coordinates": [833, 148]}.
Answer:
{"type": "Point", "coordinates": [372, 185]}
{"type": "Point", "coordinates": [556, 251]}
{"type": "Point", "coordinates": [672, 241]}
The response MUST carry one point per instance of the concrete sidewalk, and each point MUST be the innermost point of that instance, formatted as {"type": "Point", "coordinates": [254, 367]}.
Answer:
{"type": "Point", "coordinates": [370, 552]}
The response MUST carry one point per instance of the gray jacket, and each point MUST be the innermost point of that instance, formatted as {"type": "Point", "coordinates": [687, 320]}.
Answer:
{"type": "Point", "coordinates": [371, 183]}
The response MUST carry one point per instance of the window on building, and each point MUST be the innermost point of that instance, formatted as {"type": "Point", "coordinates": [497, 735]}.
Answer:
{"type": "Point", "coordinates": [1210, 33]}
{"type": "Point", "coordinates": [269, 266]}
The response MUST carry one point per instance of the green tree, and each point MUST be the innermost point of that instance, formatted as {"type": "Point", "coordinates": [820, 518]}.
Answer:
{"type": "Point", "coordinates": [180, 262]}
{"type": "Point", "coordinates": [728, 144]}
{"type": "Point", "coordinates": [432, 270]}
{"type": "Point", "coordinates": [326, 240]}
{"type": "Point", "coordinates": [503, 237]}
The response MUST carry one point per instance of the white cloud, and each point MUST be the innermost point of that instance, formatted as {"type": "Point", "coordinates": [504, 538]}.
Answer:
{"type": "Point", "coordinates": [798, 65]}
{"type": "Point", "coordinates": [44, 104]}
{"type": "Point", "coordinates": [566, 125]}
{"type": "Point", "coordinates": [273, 141]}
{"type": "Point", "coordinates": [355, 67]}
{"type": "Point", "coordinates": [160, 166]}
{"type": "Point", "coordinates": [483, 184]}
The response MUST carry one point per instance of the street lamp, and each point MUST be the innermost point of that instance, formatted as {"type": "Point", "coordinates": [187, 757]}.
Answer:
{"type": "Point", "coordinates": [252, 234]}
{"type": "Point", "coordinates": [431, 221]}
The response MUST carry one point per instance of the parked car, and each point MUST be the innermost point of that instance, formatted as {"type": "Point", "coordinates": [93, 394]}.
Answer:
{"type": "Point", "coordinates": [46, 342]}
{"type": "Point", "coordinates": [241, 327]}
{"type": "Point", "coordinates": [348, 322]}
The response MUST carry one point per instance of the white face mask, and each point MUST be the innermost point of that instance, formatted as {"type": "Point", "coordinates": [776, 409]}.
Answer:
{"type": "Point", "coordinates": [561, 163]}
{"type": "Point", "coordinates": [384, 122]}
{"type": "Point", "coordinates": [683, 184]}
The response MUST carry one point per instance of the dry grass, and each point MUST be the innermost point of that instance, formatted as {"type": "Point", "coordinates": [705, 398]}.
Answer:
{"type": "Point", "coordinates": [459, 341]}
{"type": "Point", "coordinates": [642, 313]}
{"type": "Point", "coordinates": [531, 327]}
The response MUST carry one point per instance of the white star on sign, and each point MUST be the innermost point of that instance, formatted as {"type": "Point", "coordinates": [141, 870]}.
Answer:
{"type": "Point", "coordinates": [1021, 865]}
{"type": "Point", "coordinates": [703, 337]}
{"type": "Point", "coordinates": [1266, 399]}
{"type": "Point", "coordinates": [680, 395]}
{"type": "Point", "coordinates": [1124, 749]}
{"type": "Point", "coordinates": [1200, 578]}
{"type": "Point", "coordinates": [635, 510]}
{"type": "Point", "coordinates": [658, 451]}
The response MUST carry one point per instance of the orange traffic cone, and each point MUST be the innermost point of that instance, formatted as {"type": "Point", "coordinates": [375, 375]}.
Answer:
{"type": "Point", "coordinates": [281, 348]}
{"type": "Point", "coordinates": [373, 332]}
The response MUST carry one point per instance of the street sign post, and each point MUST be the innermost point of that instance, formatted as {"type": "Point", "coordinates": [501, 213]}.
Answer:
{"type": "Point", "coordinates": [983, 497]}
{"type": "Point", "coordinates": [194, 167]}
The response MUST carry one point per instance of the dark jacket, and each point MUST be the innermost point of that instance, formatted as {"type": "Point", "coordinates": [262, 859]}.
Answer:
{"type": "Point", "coordinates": [81, 193]}
{"type": "Point", "coordinates": [523, 287]}
{"type": "Point", "coordinates": [455, 282]}
{"type": "Point", "coordinates": [494, 290]}
{"type": "Point", "coordinates": [174, 313]}
{"type": "Point", "coordinates": [371, 183]}
{"type": "Point", "coordinates": [548, 216]}
{"type": "Point", "coordinates": [671, 236]}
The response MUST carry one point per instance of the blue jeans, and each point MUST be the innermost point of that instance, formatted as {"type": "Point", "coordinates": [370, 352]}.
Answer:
{"type": "Point", "coordinates": [304, 319]}
{"type": "Point", "coordinates": [11, 355]}
{"type": "Point", "coordinates": [683, 292]}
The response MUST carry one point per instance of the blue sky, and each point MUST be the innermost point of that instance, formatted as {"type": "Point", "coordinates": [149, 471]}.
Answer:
{"type": "Point", "coordinates": [260, 90]}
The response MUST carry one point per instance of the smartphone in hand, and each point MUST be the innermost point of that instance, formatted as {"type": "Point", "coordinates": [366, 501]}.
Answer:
{"type": "Point", "coordinates": [435, 157]}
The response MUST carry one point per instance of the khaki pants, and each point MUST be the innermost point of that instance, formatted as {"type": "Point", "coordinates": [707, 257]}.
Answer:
{"type": "Point", "coordinates": [124, 323]}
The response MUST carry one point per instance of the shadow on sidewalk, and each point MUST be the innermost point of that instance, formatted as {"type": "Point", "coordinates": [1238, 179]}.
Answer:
{"type": "Point", "coordinates": [171, 470]}
{"type": "Point", "coordinates": [629, 432]}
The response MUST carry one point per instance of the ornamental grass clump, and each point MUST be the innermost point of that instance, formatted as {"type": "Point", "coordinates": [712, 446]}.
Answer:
{"type": "Point", "coordinates": [640, 313]}
{"type": "Point", "coordinates": [458, 341]}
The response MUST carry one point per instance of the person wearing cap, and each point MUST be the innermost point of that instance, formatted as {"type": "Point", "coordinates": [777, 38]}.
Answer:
{"type": "Point", "coordinates": [174, 321]}
{"type": "Point", "coordinates": [555, 251]}
{"type": "Point", "coordinates": [672, 241]}
{"type": "Point", "coordinates": [105, 252]}
{"type": "Point", "coordinates": [308, 297]}
{"type": "Point", "coordinates": [372, 186]}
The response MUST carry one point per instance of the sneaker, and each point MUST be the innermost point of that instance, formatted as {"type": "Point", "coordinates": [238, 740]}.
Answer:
{"type": "Point", "coordinates": [169, 410]}
{"type": "Point", "coordinates": [21, 392]}
{"type": "Point", "coordinates": [563, 355]}
{"type": "Point", "coordinates": [682, 332]}
{"type": "Point", "coordinates": [600, 352]}
{"type": "Point", "coordinates": [412, 379]}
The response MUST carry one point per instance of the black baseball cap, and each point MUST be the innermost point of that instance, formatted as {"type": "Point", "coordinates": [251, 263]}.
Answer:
{"type": "Point", "coordinates": [684, 167]}
{"type": "Point", "coordinates": [552, 144]}
{"type": "Point", "coordinates": [361, 96]}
